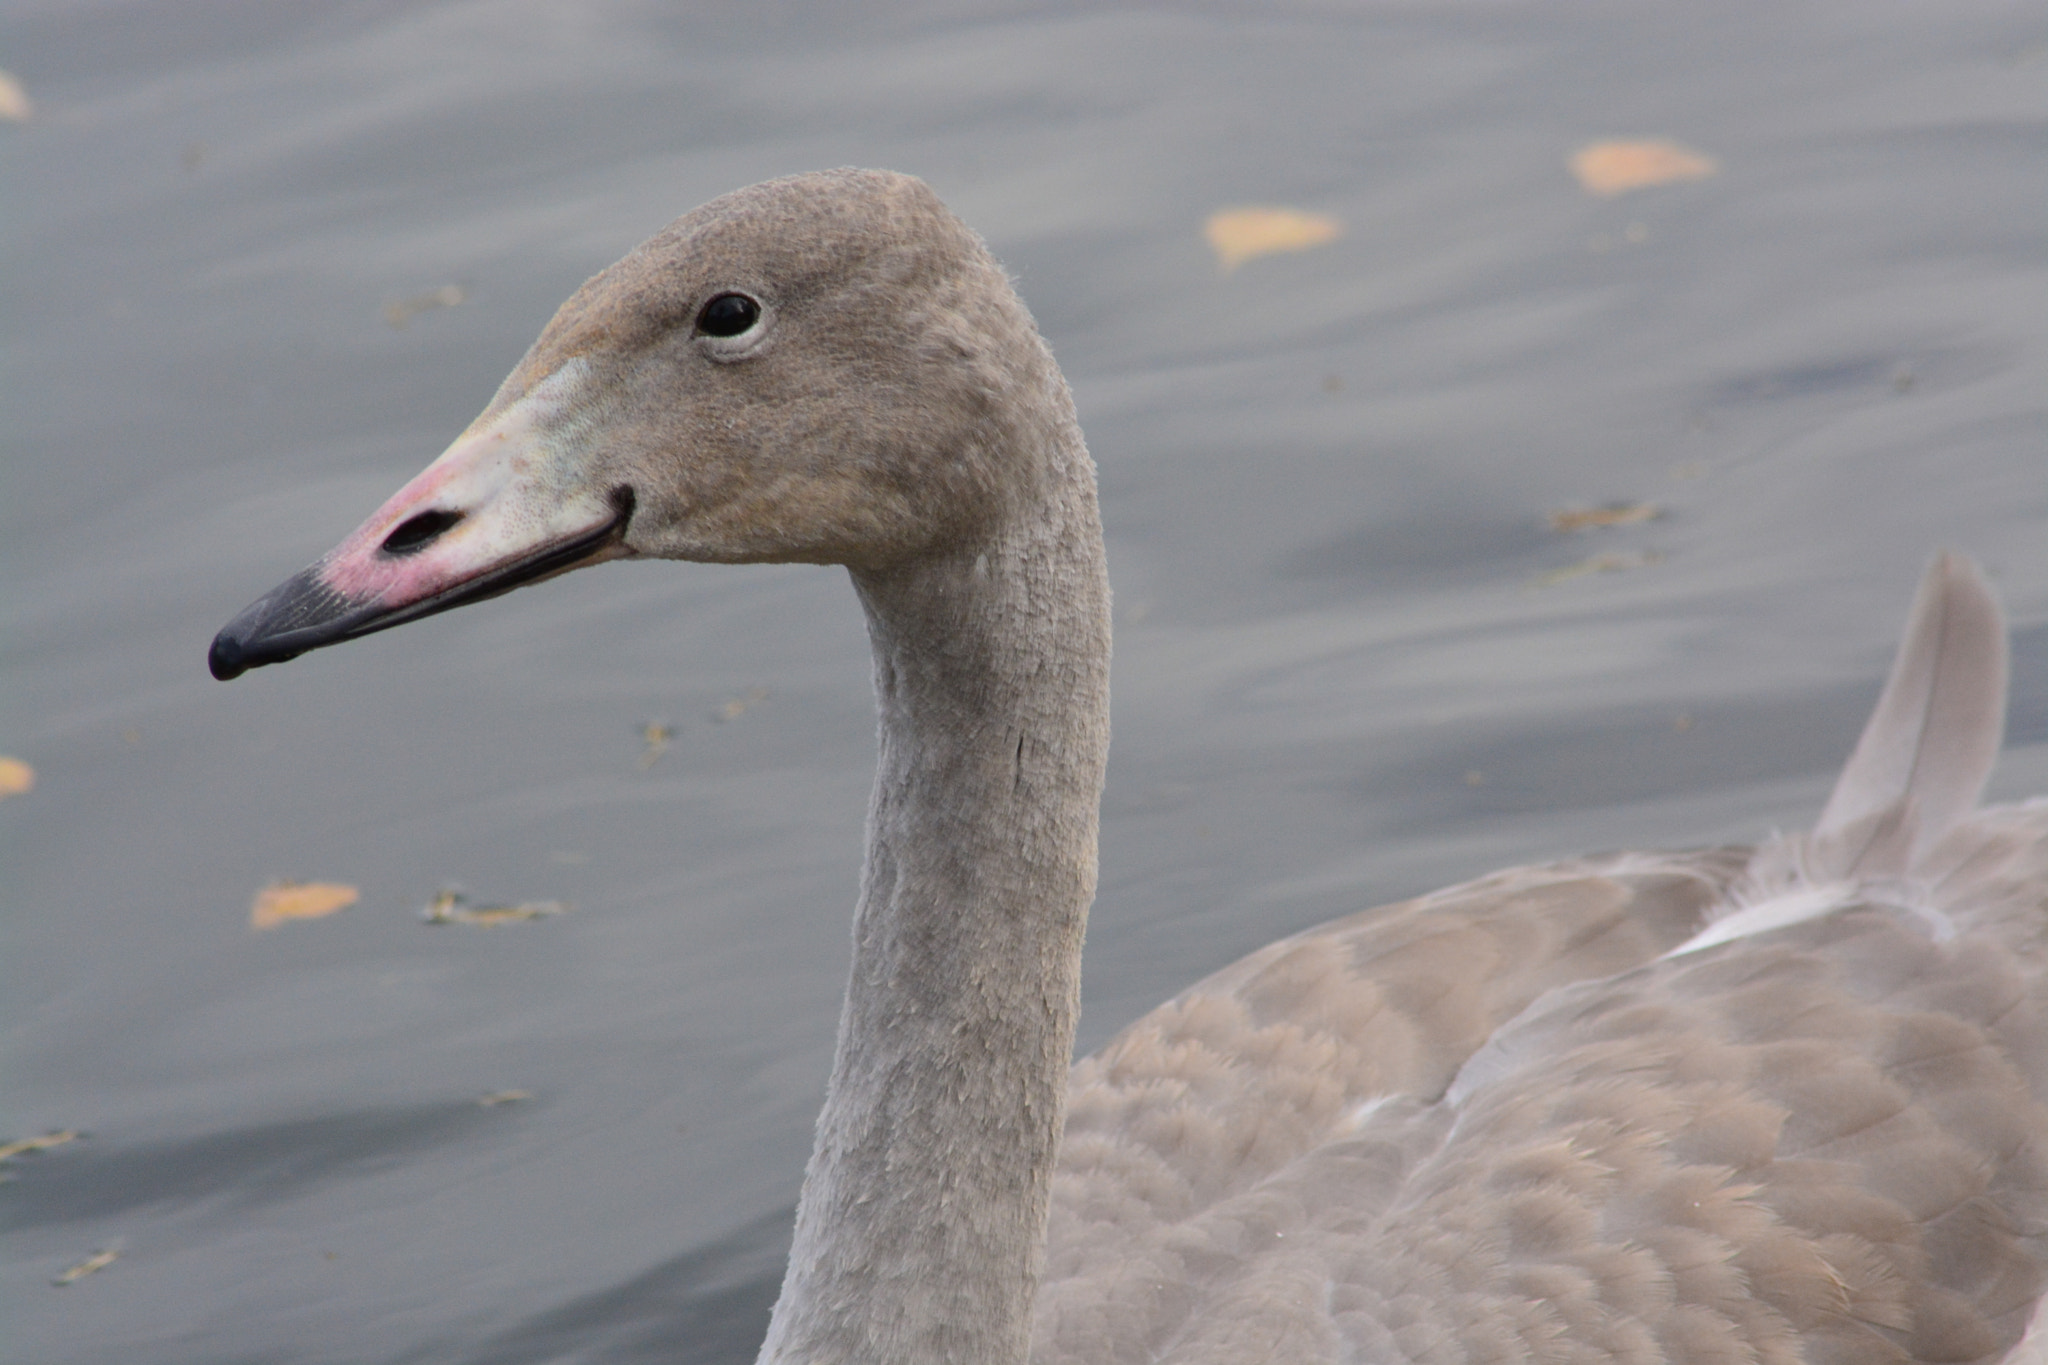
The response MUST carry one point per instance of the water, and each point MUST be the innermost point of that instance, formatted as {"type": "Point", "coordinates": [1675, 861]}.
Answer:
{"type": "Point", "coordinates": [1325, 478]}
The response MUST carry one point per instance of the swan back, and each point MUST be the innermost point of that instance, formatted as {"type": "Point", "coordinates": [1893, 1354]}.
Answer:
{"type": "Point", "coordinates": [1591, 1111]}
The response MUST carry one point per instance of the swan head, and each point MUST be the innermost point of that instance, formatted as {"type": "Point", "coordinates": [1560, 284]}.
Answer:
{"type": "Point", "coordinates": [821, 369]}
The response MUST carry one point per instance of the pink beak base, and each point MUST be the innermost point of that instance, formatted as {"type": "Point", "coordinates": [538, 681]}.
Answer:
{"type": "Point", "coordinates": [358, 590]}
{"type": "Point", "coordinates": [509, 503]}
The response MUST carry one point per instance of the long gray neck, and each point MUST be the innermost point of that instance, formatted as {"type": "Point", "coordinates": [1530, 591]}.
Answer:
{"type": "Point", "coordinates": [921, 1228]}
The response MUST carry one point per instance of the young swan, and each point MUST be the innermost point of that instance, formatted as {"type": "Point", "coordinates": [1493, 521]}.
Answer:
{"type": "Point", "coordinates": [1723, 1105]}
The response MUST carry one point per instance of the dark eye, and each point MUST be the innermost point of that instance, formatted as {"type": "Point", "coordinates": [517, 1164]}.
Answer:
{"type": "Point", "coordinates": [728, 315]}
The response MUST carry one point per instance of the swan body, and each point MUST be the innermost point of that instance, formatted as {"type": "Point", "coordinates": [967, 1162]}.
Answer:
{"type": "Point", "coordinates": [1761, 1105]}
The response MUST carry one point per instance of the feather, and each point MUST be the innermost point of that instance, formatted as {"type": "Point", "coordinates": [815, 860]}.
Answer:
{"type": "Point", "coordinates": [1927, 750]}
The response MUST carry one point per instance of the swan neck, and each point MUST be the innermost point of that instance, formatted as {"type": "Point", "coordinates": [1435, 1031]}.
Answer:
{"type": "Point", "coordinates": [921, 1227]}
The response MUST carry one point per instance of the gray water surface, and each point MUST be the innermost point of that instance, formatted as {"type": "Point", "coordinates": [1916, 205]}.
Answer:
{"type": "Point", "coordinates": [1340, 678]}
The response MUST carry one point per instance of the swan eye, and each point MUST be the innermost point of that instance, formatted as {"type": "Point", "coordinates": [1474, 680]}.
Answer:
{"type": "Point", "coordinates": [728, 315]}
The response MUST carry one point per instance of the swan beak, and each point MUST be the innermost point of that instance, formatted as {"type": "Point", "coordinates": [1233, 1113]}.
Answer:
{"type": "Point", "coordinates": [501, 508]}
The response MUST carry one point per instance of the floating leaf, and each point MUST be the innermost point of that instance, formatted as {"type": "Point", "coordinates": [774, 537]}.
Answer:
{"type": "Point", "coordinates": [1611, 168]}
{"type": "Point", "coordinates": [281, 901]}
{"type": "Point", "coordinates": [452, 907]}
{"type": "Point", "coordinates": [402, 312]}
{"type": "Point", "coordinates": [1607, 563]}
{"type": "Point", "coordinates": [1238, 235]}
{"type": "Point", "coordinates": [656, 737]}
{"type": "Point", "coordinates": [91, 1265]}
{"type": "Point", "coordinates": [15, 105]}
{"type": "Point", "coordinates": [16, 776]}
{"type": "Point", "coordinates": [739, 706]}
{"type": "Point", "coordinates": [1610, 514]}
{"type": "Point", "coordinates": [498, 1097]}
{"type": "Point", "coordinates": [23, 1146]}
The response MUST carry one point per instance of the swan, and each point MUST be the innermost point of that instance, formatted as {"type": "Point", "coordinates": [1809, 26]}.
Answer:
{"type": "Point", "coordinates": [1770, 1105]}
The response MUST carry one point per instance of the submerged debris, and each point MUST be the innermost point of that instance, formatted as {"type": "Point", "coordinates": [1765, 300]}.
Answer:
{"type": "Point", "coordinates": [452, 907]}
{"type": "Point", "coordinates": [739, 706]}
{"type": "Point", "coordinates": [1607, 563]}
{"type": "Point", "coordinates": [447, 296]}
{"type": "Point", "coordinates": [1607, 514]}
{"type": "Point", "coordinates": [656, 736]}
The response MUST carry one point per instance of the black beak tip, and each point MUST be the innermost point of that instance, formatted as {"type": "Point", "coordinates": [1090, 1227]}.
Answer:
{"type": "Point", "coordinates": [299, 614]}
{"type": "Point", "coordinates": [235, 651]}
{"type": "Point", "coordinates": [226, 659]}
{"type": "Point", "coordinates": [231, 656]}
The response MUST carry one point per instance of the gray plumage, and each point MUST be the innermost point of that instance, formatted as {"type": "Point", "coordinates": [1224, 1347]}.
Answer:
{"type": "Point", "coordinates": [1522, 1119]}
{"type": "Point", "coordinates": [1736, 1105]}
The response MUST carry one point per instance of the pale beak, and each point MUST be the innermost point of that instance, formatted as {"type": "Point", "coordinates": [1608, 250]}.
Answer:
{"type": "Point", "coordinates": [501, 508]}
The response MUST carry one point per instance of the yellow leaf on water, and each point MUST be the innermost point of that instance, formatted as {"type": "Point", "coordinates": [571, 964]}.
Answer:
{"type": "Point", "coordinates": [91, 1265]}
{"type": "Point", "coordinates": [16, 776]}
{"type": "Point", "coordinates": [1615, 167]}
{"type": "Point", "coordinates": [1237, 235]}
{"type": "Point", "coordinates": [23, 1146]}
{"type": "Point", "coordinates": [281, 901]}
{"type": "Point", "coordinates": [15, 105]}
{"type": "Point", "coordinates": [1613, 514]}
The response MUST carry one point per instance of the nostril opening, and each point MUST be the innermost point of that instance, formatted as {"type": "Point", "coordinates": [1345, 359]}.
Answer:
{"type": "Point", "coordinates": [417, 533]}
